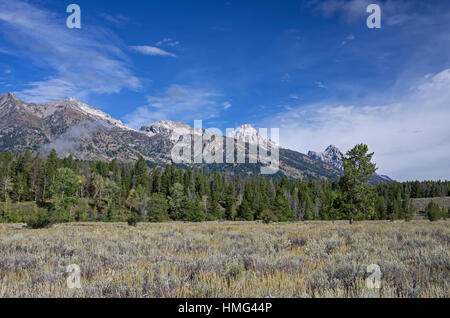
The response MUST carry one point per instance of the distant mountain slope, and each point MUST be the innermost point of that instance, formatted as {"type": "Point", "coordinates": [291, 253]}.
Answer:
{"type": "Point", "coordinates": [72, 127]}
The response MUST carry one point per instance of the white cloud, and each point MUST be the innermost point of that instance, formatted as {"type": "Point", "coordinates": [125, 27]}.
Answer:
{"type": "Point", "coordinates": [226, 105]}
{"type": "Point", "coordinates": [410, 137]}
{"type": "Point", "coordinates": [180, 103]}
{"type": "Point", "coordinates": [320, 84]}
{"type": "Point", "coordinates": [151, 50]}
{"type": "Point", "coordinates": [80, 62]}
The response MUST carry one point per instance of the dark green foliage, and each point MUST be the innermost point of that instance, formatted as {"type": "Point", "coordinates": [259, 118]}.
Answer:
{"type": "Point", "coordinates": [433, 211]}
{"type": "Point", "coordinates": [40, 219]}
{"type": "Point", "coordinates": [157, 208]}
{"type": "Point", "coordinates": [282, 209]}
{"type": "Point", "coordinates": [408, 209]}
{"type": "Point", "coordinates": [267, 216]}
{"type": "Point", "coordinates": [195, 212]}
{"type": "Point", "coordinates": [74, 190]}
{"type": "Point", "coordinates": [133, 219]}
{"type": "Point", "coordinates": [245, 213]}
{"type": "Point", "coordinates": [358, 169]}
{"type": "Point", "coordinates": [65, 189]}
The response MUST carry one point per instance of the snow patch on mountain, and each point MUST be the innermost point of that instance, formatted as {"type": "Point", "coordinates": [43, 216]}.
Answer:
{"type": "Point", "coordinates": [247, 133]}
{"type": "Point", "coordinates": [98, 114]}
{"type": "Point", "coordinates": [170, 129]}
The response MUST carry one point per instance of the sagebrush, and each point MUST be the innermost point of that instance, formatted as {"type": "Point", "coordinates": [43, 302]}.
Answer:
{"type": "Point", "coordinates": [227, 259]}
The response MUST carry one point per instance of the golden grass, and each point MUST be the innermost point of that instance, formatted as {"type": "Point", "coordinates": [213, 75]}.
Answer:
{"type": "Point", "coordinates": [227, 259]}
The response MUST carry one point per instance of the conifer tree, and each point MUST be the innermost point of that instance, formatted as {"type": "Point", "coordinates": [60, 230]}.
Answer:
{"type": "Point", "coordinates": [358, 169]}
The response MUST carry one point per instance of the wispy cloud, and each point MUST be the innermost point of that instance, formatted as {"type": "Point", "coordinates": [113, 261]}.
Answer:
{"type": "Point", "coordinates": [3, 51]}
{"type": "Point", "coordinates": [180, 103]}
{"type": "Point", "coordinates": [151, 50]}
{"type": "Point", "coordinates": [349, 38]}
{"type": "Point", "coordinates": [167, 42]}
{"type": "Point", "coordinates": [320, 84]}
{"type": "Point", "coordinates": [78, 62]}
{"type": "Point", "coordinates": [410, 136]}
{"type": "Point", "coordinates": [117, 19]}
{"type": "Point", "coordinates": [226, 105]}
{"type": "Point", "coordinates": [286, 78]}
{"type": "Point", "coordinates": [349, 10]}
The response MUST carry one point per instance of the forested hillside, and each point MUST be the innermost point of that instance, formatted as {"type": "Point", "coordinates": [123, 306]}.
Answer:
{"type": "Point", "coordinates": [74, 190]}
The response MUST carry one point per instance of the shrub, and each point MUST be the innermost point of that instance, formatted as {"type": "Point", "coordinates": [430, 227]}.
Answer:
{"type": "Point", "coordinates": [132, 220]}
{"type": "Point", "coordinates": [40, 219]}
{"type": "Point", "coordinates": [268, 216]}
{"type": "Point", "coordinates": [433, 211]}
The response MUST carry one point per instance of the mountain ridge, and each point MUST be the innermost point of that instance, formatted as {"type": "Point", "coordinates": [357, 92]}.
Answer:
{"type": "Point", "coordinates": [334, 157]}
{"type": "Point", "coordinates": [73, 127]}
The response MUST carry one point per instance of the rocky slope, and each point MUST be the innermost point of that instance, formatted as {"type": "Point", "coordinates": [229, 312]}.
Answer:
{"type": "Point", "coordinates": [332, 156]}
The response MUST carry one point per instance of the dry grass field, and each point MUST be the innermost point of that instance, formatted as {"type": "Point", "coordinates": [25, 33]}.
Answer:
{"type": "Point", "coordinates": [310, 259]}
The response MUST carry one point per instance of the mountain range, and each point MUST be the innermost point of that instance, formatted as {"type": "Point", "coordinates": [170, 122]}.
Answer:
{"type": "Point", "coordinates": [72, 127]}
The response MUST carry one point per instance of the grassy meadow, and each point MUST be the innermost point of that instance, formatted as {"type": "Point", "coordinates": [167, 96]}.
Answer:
{"type": "Point", "coordinates": [227, 259]}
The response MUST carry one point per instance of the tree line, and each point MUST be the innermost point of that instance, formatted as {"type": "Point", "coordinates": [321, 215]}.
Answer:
{"type": "Point", "coordinates": [78, 190]}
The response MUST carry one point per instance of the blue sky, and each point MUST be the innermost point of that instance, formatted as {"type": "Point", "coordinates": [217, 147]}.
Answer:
{"type": "Point", "coordinates": [311, 68]}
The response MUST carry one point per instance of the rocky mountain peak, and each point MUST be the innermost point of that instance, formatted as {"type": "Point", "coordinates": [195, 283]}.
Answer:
{"type": "Point", "coordinates": [70, 126]}
{"type": "Point", "coordinates": [164, 127]}
{"type": "Point", "coordinates": [332, 156]}
{"type": "Point", "coordinates": [8, 97]}
{"type": "Point", "coordinates": [332, 149]}
{"type": "Point", "coordinates": [167, 128]}
{"type": "Point", "coordinates": [247, 133]}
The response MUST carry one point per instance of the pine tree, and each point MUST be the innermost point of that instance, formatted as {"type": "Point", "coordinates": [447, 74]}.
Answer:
{"type": "Point", "coordinates": [245, 212]}
{"type": "Point", "coordinates": [358, 169]}
{"type": "Point", "coordinates": [381, 208]}
{"type": "Point", "coordinates": [64, 190]}
{"type": "Point", "coordinates": [141, 174]}
{"type": "Point", "coordinates": [433, 211]}
{"type": "Point", "coordinates": [158, 208]}
{"type": "Point", "coordinates": [176, 201]}
{"type": "Point", "coordinates": [282, 210]}
{"type": "Point", "coordinates": [195, 212]}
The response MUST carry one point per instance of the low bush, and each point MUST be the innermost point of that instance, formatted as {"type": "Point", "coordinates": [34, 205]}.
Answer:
{"type": "Point", "coordinates": [267, 216]}
{"type": "Point", "coordinates": [132, 220]}
{"type": "Point", "coordinates": [40, 219]}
